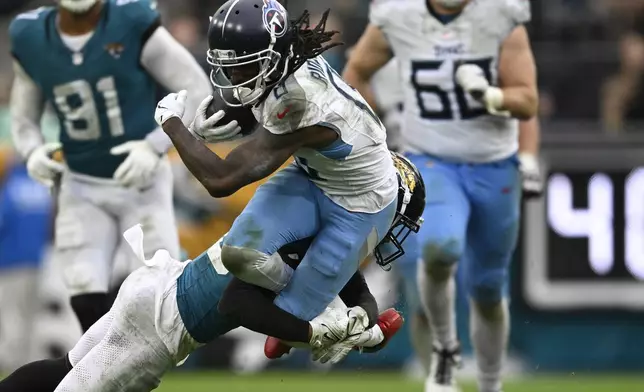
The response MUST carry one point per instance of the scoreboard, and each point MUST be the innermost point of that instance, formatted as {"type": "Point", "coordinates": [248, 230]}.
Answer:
{"type": "Point", "coordinates": [583, 242]}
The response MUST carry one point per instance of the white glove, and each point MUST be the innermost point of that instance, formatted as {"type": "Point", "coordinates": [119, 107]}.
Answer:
{"type": "Point", "coordinates": [206, 128]}
{"type": "Point", "coordinates": [40, 165]}
{"type": "Point", "coordinates": [139, 165]}
{"type": "Point", "coordinates": [472, 79]}
{"type": "Point", "coordinates": [172, 105]}
{"type": "Point", "coordinates": [358, 322]}
{"type": "Point", "coordinates": [531, 180]}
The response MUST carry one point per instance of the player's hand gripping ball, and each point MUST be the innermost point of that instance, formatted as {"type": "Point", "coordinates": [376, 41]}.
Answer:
{"type": "Point", "coordinates": [215, 121]}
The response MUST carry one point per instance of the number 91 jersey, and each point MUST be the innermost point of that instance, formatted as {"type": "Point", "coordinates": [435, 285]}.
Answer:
{"type": "Point", "coordinates": [102, 95]}
{"type": "Point", "coordinates": [356, 171]}
{"type": "Point", "coordinates": [440, 118]}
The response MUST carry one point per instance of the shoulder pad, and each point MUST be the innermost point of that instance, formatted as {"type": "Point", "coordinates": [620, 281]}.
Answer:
{"type": "Point", "coordinates": [26, 27]}
{"type": "Point", "coordinates": [518, 11]}
{"type": "Point", "coordinates": [286, 108]}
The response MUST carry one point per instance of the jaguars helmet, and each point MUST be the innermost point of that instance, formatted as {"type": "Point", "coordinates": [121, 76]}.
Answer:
{"type": "Point", "coordinates": [409, 212]}
{"type": "Point", "coordinates": [250, 44]}
{"type": "Point", "coordinates": [77, 6]}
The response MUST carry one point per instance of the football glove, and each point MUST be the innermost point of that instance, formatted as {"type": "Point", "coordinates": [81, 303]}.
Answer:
{"type": "Point", "coordinates": [140, 164]}
{"type": "Point", "coordinates": [42, 167]}
{"type": "Point", "coordinates": [531, 180]}
{"type": "Point", "coordinates": [172, 105]}
{"type": "Point", "coordinates": [206, 128]}
{"type": "Point", "coordinates": [472, 79]}
{"type": "Point", "coordinates": [358, 321]}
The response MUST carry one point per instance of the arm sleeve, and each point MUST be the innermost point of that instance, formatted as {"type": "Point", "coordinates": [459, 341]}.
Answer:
{"type": "Point", "coordinates": [175, 69]}
{"type": "Point", "coordinates": [26, 108]}
{"type": "Point", "coordinates": [356, 293]}
{"type": "Point", "coordinates": [252, 307]}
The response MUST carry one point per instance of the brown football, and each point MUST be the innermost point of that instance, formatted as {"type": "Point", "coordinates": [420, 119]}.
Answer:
{"type": "Point", "coordinates": [242, 114]}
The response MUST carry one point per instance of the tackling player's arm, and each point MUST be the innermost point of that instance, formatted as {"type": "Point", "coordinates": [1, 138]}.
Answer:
{"type": "Point", "coordinates": [518, 75]}
{"type": "Point", "coordinates": [257, 158]}
{"type": "Point", "coordinates": [370, 54]}
{"type": "Point", "coordinates": [26, 107]}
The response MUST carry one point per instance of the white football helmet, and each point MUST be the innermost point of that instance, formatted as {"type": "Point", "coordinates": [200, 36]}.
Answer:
{"type": "Point", "coordinates": [452, 3]}
{"type": "Point", "coordinates": [77, 6]}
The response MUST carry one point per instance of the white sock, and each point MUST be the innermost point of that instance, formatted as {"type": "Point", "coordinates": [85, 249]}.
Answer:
{"type": "Point", "coordinates": [489, 329]}
{"type": "Point", "coordinates": [438, 299]}
{"type": "Point", "coordinates": [421, 339]}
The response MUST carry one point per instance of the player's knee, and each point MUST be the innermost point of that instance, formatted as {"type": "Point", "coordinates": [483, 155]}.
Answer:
{"type": "Point", "coordinates": [490, 311]}
{"type": "Point", "coordinates": [487, 294]}
{"type": "Point", "coordinates": [442, 252]}
{"type": "Point", "coordinates": [238, 260]}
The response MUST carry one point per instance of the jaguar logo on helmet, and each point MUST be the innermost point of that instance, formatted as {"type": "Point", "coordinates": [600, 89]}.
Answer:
{"type": "Point", "coordinates": [274, 18]}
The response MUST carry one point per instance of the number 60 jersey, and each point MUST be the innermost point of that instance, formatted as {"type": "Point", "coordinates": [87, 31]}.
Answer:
{"type": "Point", "coordinates": [440, 118]}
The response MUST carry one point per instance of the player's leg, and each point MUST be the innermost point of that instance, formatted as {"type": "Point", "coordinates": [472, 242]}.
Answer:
{"type": "Point", "coordinates": [420, 336]}
{"type": "Point", "coordinates": [131, 356]}
{"type": "Point", "coordinates": [85, 241]}
{"type": "Point", "coordinates": [344, 240]}
{"type": "Point", "coordinates": [154, 210]}
{"type": "Point", "coordinates": [442, 243]}
{"type": "Point", "coordinates": [495, 193]}
{"type": "Point", "coordinates": [45, 375]}
{"type": "Point", "coordinates": [283, 210]}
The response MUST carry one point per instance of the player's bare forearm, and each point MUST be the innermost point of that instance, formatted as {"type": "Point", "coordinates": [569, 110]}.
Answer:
{"type": "Point", "coordinates": [521, 102]}
{"type": "Point", "coordinates": [249, 162]}
{"type": "Point", "coordinates": [203, 163]}
{"type": "Point", "coordinates": [518, 75]}
{"type": "Point", "coordinates": [370, 54]}
{"type": "Point", "coordinates": [529, 137]}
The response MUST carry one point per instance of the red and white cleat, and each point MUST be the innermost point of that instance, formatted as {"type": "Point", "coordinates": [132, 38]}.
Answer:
{"type": "Point", "coordinates": [275, 348]}
{"type": "Point", "coordinates": [389, 321]}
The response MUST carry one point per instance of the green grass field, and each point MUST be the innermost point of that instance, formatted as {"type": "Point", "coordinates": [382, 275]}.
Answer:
{"type": "Point", "coordinates": [368, 382]}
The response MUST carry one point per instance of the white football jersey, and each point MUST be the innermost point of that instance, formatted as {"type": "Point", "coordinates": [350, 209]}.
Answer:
{"type": "Point", "coordinates": [356, 171]}
{"type": "Point", "coordinates": [439, 117]}
{"type": "Point", "coordinates": [389, 98]}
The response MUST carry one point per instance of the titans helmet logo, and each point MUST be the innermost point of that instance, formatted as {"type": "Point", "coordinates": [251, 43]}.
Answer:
{"type": "Point", "coordinates": [274, 18]}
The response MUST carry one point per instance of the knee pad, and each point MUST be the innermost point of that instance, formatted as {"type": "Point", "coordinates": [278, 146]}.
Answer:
{"type": "Point", "coordinates": [490, 311]}
{"type": "Point", "coordinates": [488, 290]}
{"type": "Point", "coordinates": [89, 308]}
{"type": "Point", "coordinates": [255, 267]}
{"type": "Point", "coordinates": [443, 252]}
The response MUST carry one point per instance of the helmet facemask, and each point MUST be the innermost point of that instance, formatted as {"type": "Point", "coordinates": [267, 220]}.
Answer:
{"type": "Point", "coordinates": [391, 247]}
{"type": "Point", "coordinates": [271, 69]}
{"type": "Point", "coordinates": [77, 6]}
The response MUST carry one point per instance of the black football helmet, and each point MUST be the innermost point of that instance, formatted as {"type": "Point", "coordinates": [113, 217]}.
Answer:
{"type": "Point", "coordinates": [250, 44]}
{"type": "Point", "coordinates": [409, 212]}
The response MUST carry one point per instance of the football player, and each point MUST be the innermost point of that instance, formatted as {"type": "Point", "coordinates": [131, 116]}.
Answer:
{"type": "Point", "coordinates": [389, 100]}
{"type": "Point", "coordinates": [469, 76]}
{"type": "Point", "coordinates": [96, 62]}
{"type": "Point", "coordinates": [342, 187]}
{"type": "Point", "coordinates": [167, 309]}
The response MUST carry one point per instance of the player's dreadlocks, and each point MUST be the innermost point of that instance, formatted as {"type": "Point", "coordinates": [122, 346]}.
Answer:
{"type": "Point", "coordinates": [310, 42]}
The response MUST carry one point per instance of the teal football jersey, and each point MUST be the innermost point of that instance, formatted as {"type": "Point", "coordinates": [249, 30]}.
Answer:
{"type": "Point", "coordinates": [102, 95]}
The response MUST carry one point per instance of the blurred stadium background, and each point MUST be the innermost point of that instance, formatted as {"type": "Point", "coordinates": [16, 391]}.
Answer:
{"type": "Point", "coordinates": [577, 282]}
